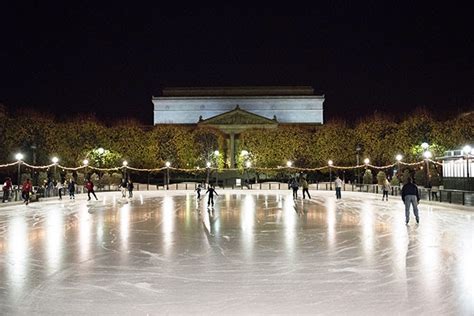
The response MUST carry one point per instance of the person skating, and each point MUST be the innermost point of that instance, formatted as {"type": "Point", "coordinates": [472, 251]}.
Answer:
{"type": "Point", "coordinates": [198, 191]}
{"type": "Point", "coordinates": [305, 186]}
{"type": "Point", "coordinates": [123, 188]}
{"type": "Point", "coordinates": [7, 186]}
{"type": "Point", "coordinates": [130, 188]}
{"type": "Point", "coordinates": [338, 183]}
{"type": "Point", "coordinates": [26, 191]}
{"type": "Point", "coordinates": [385, 188]}
{"type": "Point", "coordinates": [211, 191]}
{"type": "Point", "coordinates": [294, 186]}
{"type": "Point", "coordinates": [71, 188]}
{"type": "Point", "coordinates": [90, 189]}
{"type": "Point", "coordinates": [60, 187]}
{"type": "Point", "coordinates": [411, 196]}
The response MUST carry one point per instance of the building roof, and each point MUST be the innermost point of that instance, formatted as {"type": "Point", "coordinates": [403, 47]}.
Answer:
{"type": "Point", "coordinates": [238, 91]}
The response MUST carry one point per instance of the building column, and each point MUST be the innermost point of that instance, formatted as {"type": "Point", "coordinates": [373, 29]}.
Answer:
{"type": "Point", "coordinates": [232, 150]}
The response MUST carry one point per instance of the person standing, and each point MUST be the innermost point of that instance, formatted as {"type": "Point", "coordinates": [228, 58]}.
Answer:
{"type": "Point", "coordinates": [385, 188]}
{"type": "Point", "coordinates": [71, 188]}
{"type": "Point", "coordinates": [338, 184]}
{"type": "Point", "coordinates": [411, 196]}
{"type": "Point", "coordinates": [26, 190]}
{"type": "Point", "coordinates": [434, 192]}
{"type": "Point", "coordinates": [130, 188]}
{"type": "Point", "coordinates": [211, 192]}
{"type": "Point", "coordinates": [294, 186]}
{"type": "Point", "coordinates": [123, 188]}
{"type": "Point", "coordinates": [7, 186]}
{"type": "Point", "coordinates": [305, 185]}
{"type": "Point", "coordinates": [60, 187]}
{"type": "Point", "coordinates": [90, 189]}
{"type": "Point", "coordinates": [198, 191]}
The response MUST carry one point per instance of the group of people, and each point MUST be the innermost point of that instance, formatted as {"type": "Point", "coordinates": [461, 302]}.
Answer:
{"type": "Point", "coordinates": [126, 186]}
{"type": "Point", "coordinates": [295, 184]}
{"type": "Point", "coordinates": [211, 191]}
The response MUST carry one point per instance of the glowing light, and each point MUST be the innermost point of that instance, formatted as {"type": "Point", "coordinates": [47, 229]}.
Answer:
{"type": "Point", "coordinates": [399, 157]}
{"type": "Point", "coordinates": [427, 154]}
{"type": "Point", "coordinates": [425, 146]}
{"type": "Point", "coordinates": [125, 163]}
{"type": "Point", "coordinates": [289, 164]}
{"type": "Point", "coordinates": [168, 164]}
{"type": "Point", "coordinates": [244, 153]}
{"type": "Point", "coordinates": [85, 162]}
{"type": "Point", "coordinates": [19, 156]}
{"type": "Point", "coordinates": [208, 164]}
{"type": "Point", "coordinates": [366, 161]}
{"type": "Point", "coordinates": [248, 164]}
{"type": "Point", "coordinates": [55, 160]}
{"type": "Point", "coordinates": [216, 153]}
{"type": "Point", "coordinates": [330, 163]}
{"type": "Point", "coordinates": [101, 150]}
{"type": "Point", "coordinates": [467, 149]}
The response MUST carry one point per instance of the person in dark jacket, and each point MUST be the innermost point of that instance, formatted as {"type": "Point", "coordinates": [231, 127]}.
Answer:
{"type": "Point", "coordinates": [90, 189]}
{"type": "Point", "coordinates": [7, 186]}
{"type": "Point", "coordinates": [410, 195]}
{"type": "Point", "coordinates": [211, 192]}
{"type": "Point", "coordinates": [71, 188]}
{"type": "Point", "coordinates": [130, 188]}
{"type": "Point", "coordinates": [294, 186]}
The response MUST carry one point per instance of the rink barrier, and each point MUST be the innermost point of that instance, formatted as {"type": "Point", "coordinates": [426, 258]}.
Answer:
{"type": "Point", "coordinates": [442, 195]}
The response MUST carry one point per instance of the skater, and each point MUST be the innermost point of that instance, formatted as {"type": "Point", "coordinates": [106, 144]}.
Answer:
{"type": "Point", "coordinates": [211, 192]}
{"type": "Point", "coordinates": [123, 188]}
{"type": "Point", "coordinates": [7, 186]}
{"type": "Point", "coordinates": [26, 191]}
{"type": "Point", "coordinates": [130, 188]}
{"type": "Point", "coordinates": [294, 186]}
{"type": "Point", "coordinates": [434, 192]}
{"type": "Point", "coordinates": [410, 196]}
{"type": "Point", "coordinates": [71, 188]}
{"type": "Point", "coordinates": [338, 183]}
{"type": "Point", "coordinates": [60, 187]}
{"type": "Point", "coordinates": [385, 188]}
{"type": "Point", "coordinates": [198, 191]}
{"type": "Point", "coordinates": [90, 189]}
{"type": "Point", "coordinates": [305, 186]}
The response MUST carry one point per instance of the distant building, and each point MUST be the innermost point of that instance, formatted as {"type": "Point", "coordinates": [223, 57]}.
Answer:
{"type": "Point", "coordinates": [235, 109]}
{"type": "Point", "coordinates": [458, 170]}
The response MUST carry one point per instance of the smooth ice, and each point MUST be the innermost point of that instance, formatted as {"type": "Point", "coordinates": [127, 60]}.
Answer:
{"type": "Point", "coordinates": [254, 253]}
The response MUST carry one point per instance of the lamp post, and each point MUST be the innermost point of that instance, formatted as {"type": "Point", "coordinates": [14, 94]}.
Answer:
{"type": "Point", "coordinates": [19, 157]}
{"type": "Point", "coordinates": [216, 156]}
{"type": "Point", "coordinates": [85, 162]}
{"type": "Point", "coordinates": [55, 161]}
{"type": "Point", "coordinates": [467, 150]}
{"type": "Point", "coordinates": [168, 164]}
{"type": "Point", "coordinates": [330, 163]}
{"type": "Point", "coordinates": [124, 164]}
{"type": "Point", "coordinates": [427, 155]}
{"type": "Point", "coordinates": [100, 151]}
{"type": "Point", "coordinates": [208, 166]}
{"type": "Point", "coordinates": [398, 158]}
{"type": "Point", "coordinates": [358, 149]}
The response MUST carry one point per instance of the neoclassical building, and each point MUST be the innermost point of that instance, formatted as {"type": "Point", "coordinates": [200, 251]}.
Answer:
{"type": "Point", "coordinates": [235, 109]}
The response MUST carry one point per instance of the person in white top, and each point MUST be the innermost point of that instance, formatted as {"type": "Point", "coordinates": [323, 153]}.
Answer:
{"type": "Point", "coordinates": [60, 187]}
{"type": "Point", "coordinates": [338, 183]}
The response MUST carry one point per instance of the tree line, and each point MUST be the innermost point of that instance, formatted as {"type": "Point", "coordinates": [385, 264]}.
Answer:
{"type": "Point", "coordinates": [380, 138]}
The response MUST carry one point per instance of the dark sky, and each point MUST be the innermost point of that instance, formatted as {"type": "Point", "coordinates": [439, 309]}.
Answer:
{"type": "Point", "coordinates": [111, 59]}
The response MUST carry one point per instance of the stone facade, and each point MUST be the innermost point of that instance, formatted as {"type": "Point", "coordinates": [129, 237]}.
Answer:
{"type": "Point", "coordinates": [289, 105]}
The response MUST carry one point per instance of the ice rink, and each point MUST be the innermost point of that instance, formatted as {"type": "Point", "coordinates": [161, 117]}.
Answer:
{"type": "Point", "coordinates": [256, 252]}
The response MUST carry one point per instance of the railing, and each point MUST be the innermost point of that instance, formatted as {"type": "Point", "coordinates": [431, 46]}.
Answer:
{"type": "Point", "coordinates": [443, 195]}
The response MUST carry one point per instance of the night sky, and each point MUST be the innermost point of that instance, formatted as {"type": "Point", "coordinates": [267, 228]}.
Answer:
{"type": "Point", "coordinates": [110, 60]}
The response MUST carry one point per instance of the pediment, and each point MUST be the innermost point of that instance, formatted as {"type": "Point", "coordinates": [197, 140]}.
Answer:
{"type": "Point", "coordinates": [238, 116]}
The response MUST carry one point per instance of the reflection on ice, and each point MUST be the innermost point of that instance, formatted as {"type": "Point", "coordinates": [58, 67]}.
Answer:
{"type": "Point", "coordinates": [163, 252]}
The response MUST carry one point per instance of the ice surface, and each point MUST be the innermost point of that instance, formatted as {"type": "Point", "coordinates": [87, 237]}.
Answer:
{"type": "Point", "coordinates": [254, 253]}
